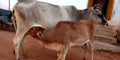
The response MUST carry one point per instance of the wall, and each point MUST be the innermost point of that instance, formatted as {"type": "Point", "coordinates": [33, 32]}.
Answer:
{"type": "Point", "coordinates": [80, 4]}
{"type": "Point", "coordinates": [115, 20]}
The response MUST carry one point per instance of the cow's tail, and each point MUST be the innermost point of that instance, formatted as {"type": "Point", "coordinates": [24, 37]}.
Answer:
{"type": "Point", "coordinates": [13, 18]}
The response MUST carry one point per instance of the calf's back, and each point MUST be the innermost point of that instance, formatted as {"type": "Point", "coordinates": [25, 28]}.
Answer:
{"type": "Point", "coordinates": [65, 32]}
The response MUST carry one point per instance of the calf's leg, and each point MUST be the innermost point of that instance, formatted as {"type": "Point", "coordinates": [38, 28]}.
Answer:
{"type": "Point", "coordinates": [63, 52]}
{"type": "Point", "coordinates": [88, 47]}
{"type": "Point", "coordinates": [91, 50]}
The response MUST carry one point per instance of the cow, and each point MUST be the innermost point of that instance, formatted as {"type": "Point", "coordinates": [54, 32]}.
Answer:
{"type": "Point", "coordinates": [28, 14]}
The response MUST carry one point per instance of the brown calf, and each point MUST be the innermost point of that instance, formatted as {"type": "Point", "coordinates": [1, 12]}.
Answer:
{"type": "Point", "coordinates": [69, 34]}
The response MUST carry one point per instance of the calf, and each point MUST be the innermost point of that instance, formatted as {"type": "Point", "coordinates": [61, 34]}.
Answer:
{"type": "Point", "coordinates": [68, 34]}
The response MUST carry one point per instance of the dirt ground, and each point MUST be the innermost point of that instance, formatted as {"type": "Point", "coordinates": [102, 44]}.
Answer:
{"type": "Point", "coordinates": [34, 51]}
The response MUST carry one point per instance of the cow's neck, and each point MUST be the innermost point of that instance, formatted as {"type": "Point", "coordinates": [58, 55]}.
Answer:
{"type": "Point", "coordinates": [82, 14]}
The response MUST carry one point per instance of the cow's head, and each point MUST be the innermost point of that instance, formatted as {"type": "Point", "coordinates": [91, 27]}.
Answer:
{"type": "Point", "coordinates": [97, 15]}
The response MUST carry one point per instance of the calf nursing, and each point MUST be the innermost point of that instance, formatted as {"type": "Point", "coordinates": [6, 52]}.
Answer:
{"type": "Point", "coordinates": [28, 14]}
{"type": "Point", "coordinates": [69, 34]}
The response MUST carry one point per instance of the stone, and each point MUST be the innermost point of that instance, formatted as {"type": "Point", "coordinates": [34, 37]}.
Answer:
{"type": "Point", "coordinates": [105, 39]}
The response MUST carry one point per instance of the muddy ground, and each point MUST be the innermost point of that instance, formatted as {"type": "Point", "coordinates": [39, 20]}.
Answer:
{"type": "Point", "coordinates": [34, 51]}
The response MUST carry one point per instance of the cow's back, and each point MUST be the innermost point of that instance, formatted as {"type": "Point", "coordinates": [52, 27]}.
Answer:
{"type": "Point", "coordinates": [44, 14]}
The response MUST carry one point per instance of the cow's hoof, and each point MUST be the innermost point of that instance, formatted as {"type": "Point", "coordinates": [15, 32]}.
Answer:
{"type": "Point", "coordinates": [19, 59]}
{"type": "Point", "coordinates": [84, 58]}
{"type": "Point", "coordinates": [25, 56]}
{"type": "Point", "coordinates": [14, 52]}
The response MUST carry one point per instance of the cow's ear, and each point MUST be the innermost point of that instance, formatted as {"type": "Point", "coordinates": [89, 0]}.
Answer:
{"type": "Point", "coordinates": [98, 6]}
{"type": "Point", "coordinates": [97, 11]}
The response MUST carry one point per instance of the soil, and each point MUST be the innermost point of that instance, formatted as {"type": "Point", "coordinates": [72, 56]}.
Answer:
{"type": "Point", "coordinates": [35, 51]}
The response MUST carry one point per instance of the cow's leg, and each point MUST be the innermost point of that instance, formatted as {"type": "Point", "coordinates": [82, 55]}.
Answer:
{"type": "Point", "coordinates": [18, 41]}
{"type": "Point", "coordinates": [63, 52]}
